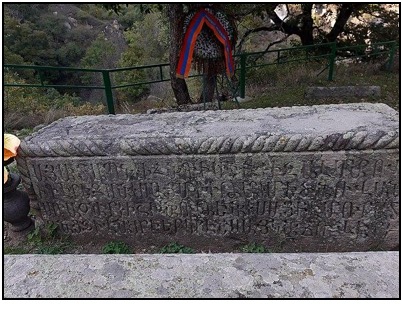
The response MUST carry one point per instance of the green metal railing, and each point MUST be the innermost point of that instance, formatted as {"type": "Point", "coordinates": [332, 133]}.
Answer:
{"type": "Point", "coordinates": [326, 51]}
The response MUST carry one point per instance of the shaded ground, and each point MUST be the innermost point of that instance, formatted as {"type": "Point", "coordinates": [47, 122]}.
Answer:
{"type": "Point", "coordinates": [45, 241]}
{"type": "Point", "coordinates": [23, 243]}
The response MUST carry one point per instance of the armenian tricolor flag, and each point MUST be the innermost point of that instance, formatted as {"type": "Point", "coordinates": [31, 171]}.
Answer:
{"type": "Point", "coordinates": [193, 30]}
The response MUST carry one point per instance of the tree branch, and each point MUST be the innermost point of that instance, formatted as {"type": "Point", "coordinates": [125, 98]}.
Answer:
{"type": "Point", "coordinates": [282, 25]}
{"type": "Point", "coordinates": [250, 31]}
{"type": "Point", "coordinates": [345, 12]}
{"type": "Point", "coordinates": [270, 45]}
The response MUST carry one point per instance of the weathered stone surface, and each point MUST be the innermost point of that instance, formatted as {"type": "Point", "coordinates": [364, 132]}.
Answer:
{"type": "Point", "coordinates": [342, 91]}
{"type": "Point", "coordinates": [320, 178]}
{"type": "Point", "coordinates": [276, 275]}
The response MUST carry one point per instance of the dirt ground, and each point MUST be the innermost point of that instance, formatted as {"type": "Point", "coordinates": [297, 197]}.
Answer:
{"type": "Point", "coordinates": [22, 243]}
{"type": "Point", "coordinates": [37, 241]}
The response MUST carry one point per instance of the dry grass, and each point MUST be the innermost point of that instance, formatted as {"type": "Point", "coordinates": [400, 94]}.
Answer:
{"type": "Point", "coordinates": [269, 87]}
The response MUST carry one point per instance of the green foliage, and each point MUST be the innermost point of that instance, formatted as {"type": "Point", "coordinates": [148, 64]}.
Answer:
{"type": "Point", "coordinates": [24, 132]}
{"type": "Point", "coordinates": [42, 34]}
{"type": "Point", "coordinates": [53, 25]}
{"type": "Point", "coordinates": [50, 249]}
{"type": "Point", "coordinates": [38, 236]}
{"type": "Point", "coordinates": [285, 84]}
{"type": "Point", "coordinates": [131, 15]}
{"type": "Point", "coordinates": [69, 53]}
{"type": "Point", "coordinates": [30, 43]}
{"type": "Point", "coordinates": [98, 11]}
{"type": "Point", "coordinates": [77, 35]}
{"type": "Point", "coordinates": [11, 57]}
{"type": "Point", "coordinates": [45, 240]}
{"type": "Point", "coordinates": [175, 248]}
{"type": "Point", "coordinates": [35, 236]}
{"type": "Point", "coordinates": [115, 7]}
{"type": "Point", "coordinates": [38, 35]}
{"type": "Point", "coordinates": [128, 14]}
{"type": "Point", "coordinates": [116, 247]}
{"type": "Point", "coordinates": [150, 36]}
{"type": "Point", "coordinates": [15, 250]}
{"type": "Point", "coordinates": [51, 230]}
{"type": "Point", "coordinates": [26, 11]}
{"type": "Point", "coordinates": [96, 56]}
{"type": "Point", "coordinates": [130, 58]}
{"type": "Point", "coordinates": [29, 107]}
{"type": "Point", "coordinates": [253, 248]}
{"type": "Point", "coordinates": [377, 22]}
{"type": "Point", "coordinates": [147, 44]}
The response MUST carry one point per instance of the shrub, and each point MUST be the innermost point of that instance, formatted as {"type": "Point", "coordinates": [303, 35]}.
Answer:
{"type": "Point", "coordinates": [116, 247]}
{"type": "Point", "coordinates": [253, 248]}
{"type": "Point", "coordinates": [176, 248]}
{"type": "Point", "coordinates": [29, 107]}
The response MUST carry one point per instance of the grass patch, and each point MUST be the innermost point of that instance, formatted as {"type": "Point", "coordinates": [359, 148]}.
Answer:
{"type": "Point", "coordinates": [285, 85]}
{"type": "Point", "coordinates": [47, 241]}
{"type": "Point", "coordinates": [176, 248]}
{"type": "Point", "coordinates": [42, 240]}
{"type": "Point", "coordinates": [15, 250]}
{"type": "Point", "coordinates": [254, 248]}
{"type": "Point", "coordinates": [116, 247]}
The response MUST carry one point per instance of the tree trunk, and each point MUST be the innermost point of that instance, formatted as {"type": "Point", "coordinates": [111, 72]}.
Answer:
{"type": "Point", "coordinates": [306, 38]}
{"type": "Point", "coordinates": [208, 88]}
{"type": "Point", "coordinates": [179, 86]}
{"type": "Point", "coordinates": [306, 27]}
{"type": "Point", "coordinates": [345, 12]}
{"type": "Point", "coordinates": [306, 31]}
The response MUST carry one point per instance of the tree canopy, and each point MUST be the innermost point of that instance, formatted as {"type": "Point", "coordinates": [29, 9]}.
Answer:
{"type": "Point", "coordinates": [86, 35]}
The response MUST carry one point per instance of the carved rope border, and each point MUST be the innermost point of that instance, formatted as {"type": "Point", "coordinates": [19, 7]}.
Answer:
{"type": "Point", "coordinates": [361, 140]}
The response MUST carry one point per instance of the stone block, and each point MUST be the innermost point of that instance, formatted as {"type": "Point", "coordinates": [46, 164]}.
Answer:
{"type": "Point", "coordinates": [342, 92]}
{"type": "Point", "coordinates": [313, 178]}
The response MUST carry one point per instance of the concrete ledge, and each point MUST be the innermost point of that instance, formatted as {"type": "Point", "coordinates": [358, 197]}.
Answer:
{"type": "Point", "coordinates": [277, 275]}
{"type": "Point", "coordinates": [343, 91]}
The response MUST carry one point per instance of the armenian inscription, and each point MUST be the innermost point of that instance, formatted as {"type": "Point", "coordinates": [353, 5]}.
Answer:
{"type": "Point", "coordinates": [325, 196]}
{"type": "Point", "coordinates": [306, 200]}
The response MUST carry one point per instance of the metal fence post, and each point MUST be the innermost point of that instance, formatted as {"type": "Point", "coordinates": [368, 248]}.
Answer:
{"type": "Point", "coordinates": [41, 77]}
{"type": "Point", "coordinates": [243, 58]}
{"type": "Point", "coordinates": [332, 61]}
{"type": "Point", "coordinates": [391, 56]}
{"type": "Point", "coordinates": [108, 91]}
{"type": "Point", "coordinates": [161, 72]}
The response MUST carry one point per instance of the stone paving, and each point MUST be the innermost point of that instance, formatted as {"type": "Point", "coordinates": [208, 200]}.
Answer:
{"type": "Point", "coordinates": [246, 275]}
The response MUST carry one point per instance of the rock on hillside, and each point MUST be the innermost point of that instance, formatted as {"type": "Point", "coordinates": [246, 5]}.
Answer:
{"type": "Point", "coordinates": [75, 17]}
{"type": "Point", "coordinates": [112, 31]}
